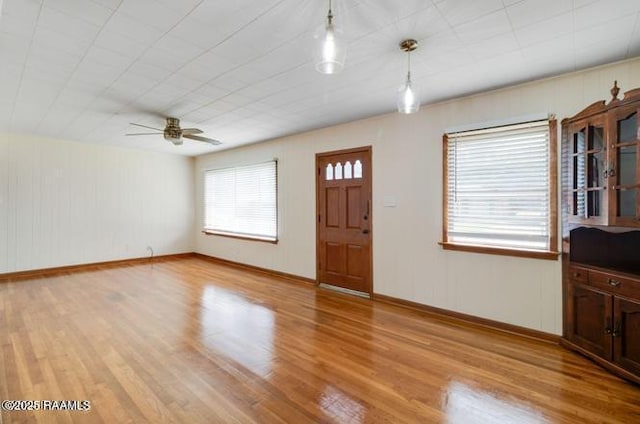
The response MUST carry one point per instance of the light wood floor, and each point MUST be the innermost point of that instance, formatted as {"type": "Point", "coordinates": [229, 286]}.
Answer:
{"type": "Point", "coordinates": [195, 342]}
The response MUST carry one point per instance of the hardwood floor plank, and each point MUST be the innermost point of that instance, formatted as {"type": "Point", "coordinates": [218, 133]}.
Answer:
{"type": "Point", "coordinates": [194, 341]}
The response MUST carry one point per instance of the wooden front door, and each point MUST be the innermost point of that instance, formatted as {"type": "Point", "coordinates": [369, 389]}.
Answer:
{"type": "Point", "coordinates": [343, 192]}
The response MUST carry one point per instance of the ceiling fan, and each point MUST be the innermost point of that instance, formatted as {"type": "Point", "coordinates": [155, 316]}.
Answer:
{"type": "Point", "coordinates": [173, 133]}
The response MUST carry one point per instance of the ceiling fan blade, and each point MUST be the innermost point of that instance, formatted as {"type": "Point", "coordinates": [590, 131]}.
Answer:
{"type": "Point", "coordinates": [199, 138]}
{"type": "Point", "coordinates": [158, 133]}
{"type": "Point", "coordinates": [144, 126]}
{"type": "Point", "coordinates": [191, 131]}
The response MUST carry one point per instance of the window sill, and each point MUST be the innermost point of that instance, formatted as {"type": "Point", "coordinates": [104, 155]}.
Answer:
{"type": "Point", "coordinates": [534, 254]}
{"type": "Point", "coordinates": [240, 236]}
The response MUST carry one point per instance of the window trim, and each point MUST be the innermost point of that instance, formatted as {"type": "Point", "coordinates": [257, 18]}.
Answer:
{"type": "Point", "coordinates": [552, 253]}
{"type": "Point", "coordinates": [241, 236]}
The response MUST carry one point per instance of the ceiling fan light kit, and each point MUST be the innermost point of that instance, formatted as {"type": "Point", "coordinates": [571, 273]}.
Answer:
{"type": "Point", "coordinates": [172, 131]}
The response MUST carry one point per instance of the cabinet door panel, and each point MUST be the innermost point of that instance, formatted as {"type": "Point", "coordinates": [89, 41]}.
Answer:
{"type": "Point", "coordinates": [624, 166]}
{"type": "Point", "coordinates": [589, 313]}
{"type": "Point", "coordinates": [587, 177]}
{"type": "Point", "coordinates": [627, 334]}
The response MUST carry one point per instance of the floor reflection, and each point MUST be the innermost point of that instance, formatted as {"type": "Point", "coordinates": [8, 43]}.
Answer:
{"type": "Point", "coordinates": [337, 404]}
{"type": "Point", "coordinates": [237, 328]}
{"type": "Point", "coordinates": [464, 404]}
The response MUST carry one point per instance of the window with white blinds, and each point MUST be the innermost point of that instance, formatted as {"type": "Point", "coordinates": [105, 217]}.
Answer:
{"type": "Point", "coordinates": [498, 188]}
{"type": "Point", "coordinates": [242, 201]}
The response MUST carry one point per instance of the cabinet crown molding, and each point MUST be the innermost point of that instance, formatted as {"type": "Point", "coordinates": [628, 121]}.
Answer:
{"type": "Point", "coordinates": [601, 106]}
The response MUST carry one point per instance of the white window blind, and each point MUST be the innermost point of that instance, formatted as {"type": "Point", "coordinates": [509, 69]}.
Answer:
{"type": "Point", "coordinates": [497, 185]}
{"type": "Point", "coordinates": [242, 201]}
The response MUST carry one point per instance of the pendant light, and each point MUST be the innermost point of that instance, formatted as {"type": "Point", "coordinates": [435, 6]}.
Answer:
{"type": "Point", "coordinates": [408, 101]}
{"type": "Point", "coordinates": [331, 50]}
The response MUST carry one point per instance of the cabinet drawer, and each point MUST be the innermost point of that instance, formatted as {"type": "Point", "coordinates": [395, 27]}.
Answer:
{"type": "Point", "coordinates": [579, 275]}
{"type": "Point", "coordinates": [615, 284]}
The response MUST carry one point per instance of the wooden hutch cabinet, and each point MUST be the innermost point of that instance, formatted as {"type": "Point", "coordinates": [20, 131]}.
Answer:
{"type": "Point", "coordinates": [602, 146]}
{"type": "Point", "coordinates": [601, 214]}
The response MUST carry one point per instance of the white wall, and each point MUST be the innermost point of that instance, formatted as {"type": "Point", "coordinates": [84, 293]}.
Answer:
{"type": "Point", "coordinates": [64, 203]}
{"type": "Point", "coordinates": [407, 164]}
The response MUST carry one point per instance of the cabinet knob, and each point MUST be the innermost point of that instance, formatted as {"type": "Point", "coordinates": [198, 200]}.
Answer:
{"type": "Point", "coordinates": [607, 331]}
{"type": "Point", "coordinates": [614, 283]}
{"type": "Point", "coordinates": [617, 330]}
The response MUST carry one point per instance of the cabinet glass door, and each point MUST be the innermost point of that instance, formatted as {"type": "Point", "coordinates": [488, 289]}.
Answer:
{"type": "Point", "coordinates": [578, 175]}
{"type": "Point", "coordinates": [624, 169]}
{"type": "Point", "coordinates": [587, 203]}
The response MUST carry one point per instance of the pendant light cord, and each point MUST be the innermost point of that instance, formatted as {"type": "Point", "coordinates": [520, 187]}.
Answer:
{"type": "Point", "coordinates": [409, 65]}
{"type": "Point", "coordinates": [330, 15]}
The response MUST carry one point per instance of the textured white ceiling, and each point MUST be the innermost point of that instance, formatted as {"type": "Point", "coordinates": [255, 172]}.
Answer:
{"type": "Point", "coordinates": [242, 70]}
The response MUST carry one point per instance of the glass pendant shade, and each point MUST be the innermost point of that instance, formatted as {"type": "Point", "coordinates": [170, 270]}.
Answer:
{"type": "Point", "coordinates": [330, 51]}
{"type": "Point", "coordinates": [407, 98]}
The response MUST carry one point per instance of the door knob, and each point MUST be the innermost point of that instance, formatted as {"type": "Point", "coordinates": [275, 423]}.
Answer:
{"type": "Point", "coordinates": [365, 231]}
